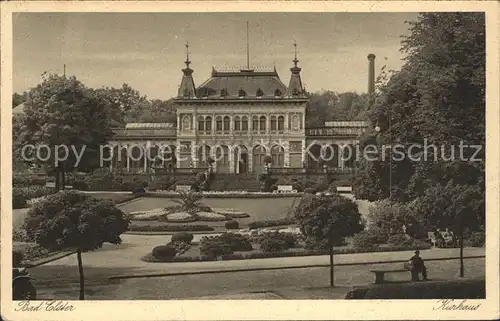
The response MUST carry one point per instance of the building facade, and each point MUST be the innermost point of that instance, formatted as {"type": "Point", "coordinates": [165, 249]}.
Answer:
{"type": "Point", "coordinates": [237, 118]}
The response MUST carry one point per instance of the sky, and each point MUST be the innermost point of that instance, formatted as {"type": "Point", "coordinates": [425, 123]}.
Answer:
{"type": "Point", "coordinates": [147, 50]}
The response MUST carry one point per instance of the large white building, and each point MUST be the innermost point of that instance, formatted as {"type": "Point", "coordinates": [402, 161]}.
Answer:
{"type": "Point", "coordinates": [239, 117]}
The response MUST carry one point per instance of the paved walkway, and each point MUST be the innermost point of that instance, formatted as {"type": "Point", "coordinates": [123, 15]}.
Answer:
{"type": "Point", "coordinates": [129, 253]}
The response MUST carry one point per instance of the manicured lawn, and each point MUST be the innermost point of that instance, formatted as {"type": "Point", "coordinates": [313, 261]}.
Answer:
{"type": "Point", "coordinates": [259, 209]}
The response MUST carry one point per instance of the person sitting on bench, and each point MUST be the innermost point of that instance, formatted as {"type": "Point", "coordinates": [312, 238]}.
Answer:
{"type": "Point", "coordinates": [417, 266]}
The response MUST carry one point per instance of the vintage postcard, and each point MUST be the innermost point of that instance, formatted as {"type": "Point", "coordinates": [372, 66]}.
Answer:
{"type": "Point", "coordinates": [250, 160]}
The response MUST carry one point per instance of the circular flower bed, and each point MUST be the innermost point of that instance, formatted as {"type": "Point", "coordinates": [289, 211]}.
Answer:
{"type": "Point", "coordinates": [180, 217]}
{"type": "Point", "coordinates": [230, 212]}
{"type": "Point", "coordinates": [210, 216]}
{"type": "Point", "coordinates": [150, 215]}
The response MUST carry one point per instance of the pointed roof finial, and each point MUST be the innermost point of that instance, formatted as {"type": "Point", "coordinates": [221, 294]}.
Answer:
{"type": "Point", "coordinates": [295, 60]}
{"type": "Point", "coordinates": [187, 55]}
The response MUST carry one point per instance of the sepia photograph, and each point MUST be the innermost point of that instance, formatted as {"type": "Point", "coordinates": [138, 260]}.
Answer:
{"type": "Point", "coordinates": [248, 156]}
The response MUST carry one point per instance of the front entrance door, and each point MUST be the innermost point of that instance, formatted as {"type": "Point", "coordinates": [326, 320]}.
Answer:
{"type": "Point", "coordinates": [243, 163]}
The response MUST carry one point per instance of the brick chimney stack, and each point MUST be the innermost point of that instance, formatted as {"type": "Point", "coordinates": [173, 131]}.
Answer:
{"type": "Point", "coordinates": [371, 74]}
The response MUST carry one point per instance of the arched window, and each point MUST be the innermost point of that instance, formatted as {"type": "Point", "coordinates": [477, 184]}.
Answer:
{"type": "Point", "coordinates": [226, 123]}
{"type": "Point", "coordinates": [262, 123]}
{"type": "Point", "coordinates": [223, 92]}
{"type": "Point", "coordinates": [241, 93]}
{"type": "Point", "coordinates": [218, 123]}
{"type": "Point", "coordinates": [208, 123]}
{"type": "Point", "coordinates": [277, 93]}
{"type": "Point", "coordinates": [281, 123]}
{"type": "Point", "coordinates": [273, 123]}
{"type": "Point", "coordinates": [244, 123]}
{"type": "Point", "coordinates": [186, 123]}
{"type": "Point", "coordinates": [259, 154]}
{"type": "Point", "coordinates": [255, 123]}
{"type": "Point", "coordinates": [201, 123]}
{"type": "Point", "coordinates": [295, 122]}
{"type": "Point", "coordinates": [278, 156]}
{"type": "Point", "coordinates": [222, 158]}
{"type": "Point", "coordinates": [260, 93]}
{"type": "Point", "coordinates": [237, 123]}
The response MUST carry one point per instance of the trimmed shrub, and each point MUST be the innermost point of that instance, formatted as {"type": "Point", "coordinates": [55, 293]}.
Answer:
{"type": "Point", "coordinates": [273, 245]}
{"type": "Point", "coordinates": [364, 240]}
{"type": "Point", "coordinates": [138, 190]}
{"type": "Point", "coordinates": [169, 228]}
{"type": "Point", "coordinates": [288, 240]}
{"type": "Point", "coordinates": [182, 237]}
{"type": "Point", "coordinates": [21, 180]}
{"type": "Point", "coordinates": [232, 225]}
{"type": "Point", "coordinates": [179, 247]}
{"type": "Point", "coordinates": [164, 252]}
{"type": "Point", "coordinates": [399, 239]}
{"type": "Point", "coordinates": [236, 242]}
{"type": "Point", "coordinates": [215, 249]}
{"type": "Point", "coordinates": [270, 223]}
{"type": "Point", "coordinates": [476, 239]}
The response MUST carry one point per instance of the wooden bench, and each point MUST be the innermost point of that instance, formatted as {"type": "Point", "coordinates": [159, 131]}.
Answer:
{"type": "Point", "coordinates": [285, 189]}
{"type": "Point", "coordinates": [380, 273]}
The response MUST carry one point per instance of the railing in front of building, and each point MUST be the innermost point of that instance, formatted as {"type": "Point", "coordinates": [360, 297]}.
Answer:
{"type": "Point", "coordinates": [300, 170]}
{"type": "Point", "coordinates": [277, 171]}
{"type": "Point", "coordinates": [328, 132]}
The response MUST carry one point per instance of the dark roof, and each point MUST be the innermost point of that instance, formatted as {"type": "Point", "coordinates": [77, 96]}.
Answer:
{"type": "Point", "coordinates": [231, 84]}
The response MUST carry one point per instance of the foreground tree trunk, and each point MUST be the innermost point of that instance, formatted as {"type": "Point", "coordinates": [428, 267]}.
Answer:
{"type": "Point", "coordinates": [461, 252]}
{"type": "Point", "coordinates": [80, 270]}
{"type": "Point", "coordinates": [332, 277]}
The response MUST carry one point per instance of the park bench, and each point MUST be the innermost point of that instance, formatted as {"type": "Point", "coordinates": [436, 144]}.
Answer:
{"type": "Point", "coordinates": [344, 189]}
{"type": "Point", "coordinates": [182, 188]}
{"type": "Point", "coordinates": [285, 189]}
{"type": "Point", "coordinates": [380, 273]}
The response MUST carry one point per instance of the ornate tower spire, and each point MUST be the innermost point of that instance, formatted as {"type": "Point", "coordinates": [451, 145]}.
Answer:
{"type": "Point", "coordinates": [187, 88]}
{"type": "Point", "coordinates": [295, 88]}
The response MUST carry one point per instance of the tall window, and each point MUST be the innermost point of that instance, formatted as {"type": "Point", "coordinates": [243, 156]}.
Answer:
{"type": "Point", "coordinates": [281, 123]}
{"type": "Point", "coordinates": [262, 123]}
{"type": "Point", "coordinates": [186, 123]}
{"type": "Point", "coordinates": [255, 123]}
{"type": "Point", "coordinates": [226, 123]}
{"type": "Point", "coordinates": [244, 123]}
{"type": "Point", "coordinates": [237, 123]}
{"type": "Point", "coordinates": [218, 123]}
{"type": "Point", "coordinates": [273, 123]}
{"type": "Point", "coordinates": [278, 156]}
{"type": "Point", "coordinates": [208, 123]}
{"type": "Point", "coordinates": [201, 123]}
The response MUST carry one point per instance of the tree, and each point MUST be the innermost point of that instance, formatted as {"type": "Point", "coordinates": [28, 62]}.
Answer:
{"type": "Point", "coordinates": [452, 206]}
{"type": "Point", "coordinates": [70, 219]}
{"type": "Point", "coordinates": [160, 111]}
{"type": "Point", "coordinates": [328, 218]}
{"type": "Point", "coordinates": [123, 104]}
{"type": "Point", "coordinates": [61, 112]}
{"type": "Point", "coordinates": [18, 99]}
{"type": "Point", "coordinates": [437, 97]}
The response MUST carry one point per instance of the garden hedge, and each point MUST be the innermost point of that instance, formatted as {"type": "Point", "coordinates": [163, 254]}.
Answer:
{"type": "Point", "coordinates": [269, 223]}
